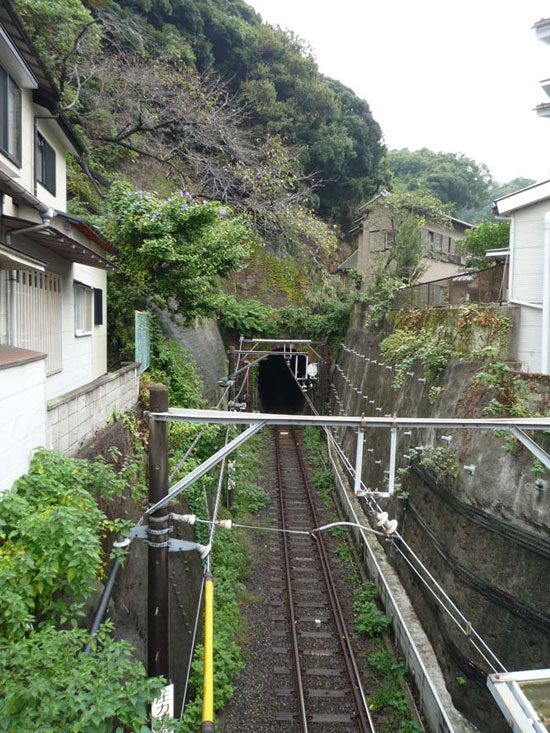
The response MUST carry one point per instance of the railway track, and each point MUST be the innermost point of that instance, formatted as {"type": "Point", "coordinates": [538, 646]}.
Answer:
{"type": "Point", "coordinates": [321, 688]}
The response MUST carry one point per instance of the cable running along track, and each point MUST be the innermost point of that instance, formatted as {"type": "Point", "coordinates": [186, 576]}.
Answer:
{"type": "Point", "coordinates": [328, 692]}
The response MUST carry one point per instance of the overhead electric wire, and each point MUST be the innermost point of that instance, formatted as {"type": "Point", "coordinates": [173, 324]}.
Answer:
{"type": "Point", "coordinates": [196, 440]}
{"type": "Point", "coordinates": [193, 642]}
{"type": "Point", "coordinates": [469, 630]}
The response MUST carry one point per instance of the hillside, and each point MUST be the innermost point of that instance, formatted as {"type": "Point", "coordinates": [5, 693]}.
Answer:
{"type": "Point", "coordinates": [197, 87]}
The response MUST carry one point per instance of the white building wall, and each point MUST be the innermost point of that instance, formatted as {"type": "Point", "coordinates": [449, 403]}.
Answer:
{"type": "Point", "coordinates": [24, 174]}
{"type": "Point", "coordinates": [96, 278]}
{"type": "Point", "coordinates": [528, 250]}
{"type": "Point", "coordinates": [77, 350]}
{"type": "Point", "coordinates": [23, 425]}
{"type": "Point", "coordinates": [529, 339]}
{"type": "Point", "coordinates": [527, 280]}
{"type": "Point", "coordinates": [84, 358]}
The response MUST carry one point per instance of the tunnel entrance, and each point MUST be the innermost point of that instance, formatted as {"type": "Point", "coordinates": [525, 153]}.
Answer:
{"type": "Point", "coordinates": [277, 388]}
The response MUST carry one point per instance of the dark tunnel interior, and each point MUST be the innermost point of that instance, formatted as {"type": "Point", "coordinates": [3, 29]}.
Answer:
{"type": "Point", "coordinates": [277, 388]}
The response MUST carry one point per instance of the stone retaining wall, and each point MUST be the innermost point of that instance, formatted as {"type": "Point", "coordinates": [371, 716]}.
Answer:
{"type": "Point", "coordinates": [75, 417]}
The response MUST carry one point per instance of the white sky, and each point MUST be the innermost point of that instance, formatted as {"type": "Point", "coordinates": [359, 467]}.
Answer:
{"type": "Point", "coordinates": [456, 77]}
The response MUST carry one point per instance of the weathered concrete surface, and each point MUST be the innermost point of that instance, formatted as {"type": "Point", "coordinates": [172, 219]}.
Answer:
{"type": "Point", "coordinates": [205, 343]}
{"type": "Point", "coordinates": [499, 581]}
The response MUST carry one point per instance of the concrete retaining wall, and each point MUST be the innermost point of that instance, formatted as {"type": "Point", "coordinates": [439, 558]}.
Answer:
{"type": "Point", "coordinates": [464, 528]}
{"type": "Point", "coordinates": [206, 346]}
{"type": "Point", "coordinates": [75, 417]}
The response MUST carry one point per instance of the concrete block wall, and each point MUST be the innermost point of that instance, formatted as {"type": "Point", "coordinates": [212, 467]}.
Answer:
{"type": "Point", "coordinates": [75, 417]}
{"type": "Point", "coordinates": [22, 406]}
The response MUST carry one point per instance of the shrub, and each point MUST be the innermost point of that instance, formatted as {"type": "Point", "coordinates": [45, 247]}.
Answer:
{"type": "Point", "coordinates": [370, 620]}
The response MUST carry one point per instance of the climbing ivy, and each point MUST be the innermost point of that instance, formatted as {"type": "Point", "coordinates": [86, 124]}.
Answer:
{"type": "Point", "coordinates": [434, 337]}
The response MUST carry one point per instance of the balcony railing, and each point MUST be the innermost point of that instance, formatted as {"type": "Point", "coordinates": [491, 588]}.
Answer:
{"type": "Point", "coordinates": [481, 286]}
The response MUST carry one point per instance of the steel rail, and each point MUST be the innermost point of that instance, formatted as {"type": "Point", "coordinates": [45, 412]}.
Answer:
{"type": "Point", "coordinates": [352, 670]}
{"type": "Point", "coordinates": [293, 624]}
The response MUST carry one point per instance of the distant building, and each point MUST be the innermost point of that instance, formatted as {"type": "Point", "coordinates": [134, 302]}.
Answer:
{"type": "Point", "coordinates": [542, 31]}
{"type": "Point", "coordinates": [375, 227]}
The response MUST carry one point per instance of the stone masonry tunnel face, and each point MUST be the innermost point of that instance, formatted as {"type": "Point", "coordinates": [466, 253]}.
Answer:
{"type": "Point", "coordinates": [277, 387]}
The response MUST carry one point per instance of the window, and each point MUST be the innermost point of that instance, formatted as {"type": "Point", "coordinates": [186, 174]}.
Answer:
{"type": "Point", "coordinates": [10, 117]}
{"type": "Point", "coordinates": [98, 307]}
{"type": "Point", "coordinates": [45, 164]}
{"type": "Point", "coordinates": [82, 310]}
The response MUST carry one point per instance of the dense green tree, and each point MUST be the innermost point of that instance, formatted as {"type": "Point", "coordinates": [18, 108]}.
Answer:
{"type": "Point", "coordinates": [171, 253]}
{"type": "Point", "coordinates": [490, 234]}
{"type": "Point", "coordinates": [408, 213]}
{"type": "Point", "coordinates": [453, 178]}
{"type": "Point", "coordinates": [285, 95]}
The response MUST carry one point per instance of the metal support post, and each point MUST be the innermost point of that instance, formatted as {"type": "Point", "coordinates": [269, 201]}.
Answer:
{"type": "Point", "coordinates": [103, 603]}
{"type": "Point", "coordinates": [393, 449]}
{"type": "Point", "coordinates": [158, 632]}
{"type": "Point", "coordinates": [231, 368]}
{"type": "Point", "coordinates": [359, 460]}
{"type": "Point", "coordinates": [207, 725]}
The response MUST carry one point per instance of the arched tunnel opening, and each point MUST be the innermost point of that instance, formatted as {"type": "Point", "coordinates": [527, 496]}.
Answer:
{"type": "Point", "coordinates": [277, 387]}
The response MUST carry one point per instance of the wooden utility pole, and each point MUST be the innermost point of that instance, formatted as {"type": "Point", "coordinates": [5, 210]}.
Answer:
{"type": "Point", "coordinates": [158, 631]}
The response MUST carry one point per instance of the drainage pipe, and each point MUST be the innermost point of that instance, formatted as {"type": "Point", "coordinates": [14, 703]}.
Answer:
{"type": "Point", "coordinates": [545, 296]}
{"type": "Point", "coordinates": [511, 247]}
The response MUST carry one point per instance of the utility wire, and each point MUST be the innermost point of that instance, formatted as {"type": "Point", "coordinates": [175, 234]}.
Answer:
{"type": "Point", "coordinates": [196, 440]}
{"type": "Point", "coordinates": [193, 642]}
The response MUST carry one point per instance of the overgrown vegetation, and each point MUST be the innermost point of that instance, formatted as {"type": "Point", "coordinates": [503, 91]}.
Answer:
{"type": "Point", "coordinates": [322, 318]}
{"type": "Point", "coordinates": [51, 532]}
{"type": "Point", "coordinates": [438, 461]}
{"type": "Point", "coordinates": [144, 83]}
{"type": "Point", "coordinates": [370, 620]}
{"type": "Point", "coordinates": [490, 234]}
{"type": "Point", "coordinates": [230, 557]}
{"type": "Point", "coordinates": [434, 337]}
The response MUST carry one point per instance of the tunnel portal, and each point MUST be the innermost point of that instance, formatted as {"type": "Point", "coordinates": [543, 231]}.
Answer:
{"type": "Point", "coordinates": [277, 388]}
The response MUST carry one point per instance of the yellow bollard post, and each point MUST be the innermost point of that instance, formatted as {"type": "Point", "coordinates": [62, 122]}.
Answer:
{"type": "Point", "coordinates": [207, 725]}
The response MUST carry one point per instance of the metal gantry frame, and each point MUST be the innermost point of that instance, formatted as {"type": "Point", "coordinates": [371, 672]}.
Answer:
{"type": "Point", "coordinates": [286, 348]}
{"type": "Point", "coordinates": [256, 421]}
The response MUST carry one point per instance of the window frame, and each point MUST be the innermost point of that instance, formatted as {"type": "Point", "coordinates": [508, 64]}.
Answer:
{"type": "Point", "coordinates": [88, 309]}
{"type": "Point", "coordinates": [98, 319]}
{"type": "Point", "coordinates": [5, 79]}
{"type": "Point", "coordinates": [43, 172]}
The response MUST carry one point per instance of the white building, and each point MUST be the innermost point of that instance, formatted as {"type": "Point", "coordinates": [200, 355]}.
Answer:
{"type": "Point", "coordinates": [54, 386]}
{"type": "Point", "coordinates": [529, 270]}
{"type": "Point", "coordinates": [542, 31]}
